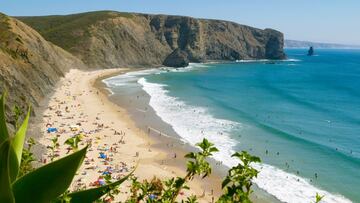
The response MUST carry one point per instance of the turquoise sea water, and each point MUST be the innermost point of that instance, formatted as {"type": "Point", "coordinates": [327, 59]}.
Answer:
{"type": "Point", "coordinates": [301, 116]}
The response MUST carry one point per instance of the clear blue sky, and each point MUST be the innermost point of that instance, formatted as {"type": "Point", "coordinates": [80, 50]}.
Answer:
{"type": "Point", "coordinates": [314, 20]}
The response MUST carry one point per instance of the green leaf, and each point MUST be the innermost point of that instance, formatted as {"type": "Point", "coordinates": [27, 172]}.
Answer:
{"type": "Point", "coordinates": [213, 149]}
{"type": "Point", "coordinates": [19, 139]}
{"type": "Point", "coordinates": [13, 164]}
{"type": "Point", "coordinates": [90, 195]}
{"type": "Point", "coordinates": [17, 148]}
{"type": "Point", "coordinates": [225, 182]}
{"type": "Point", "coordinates": [190, 155]}
{"type": "Point", "coordinates": [4, 135]}
{"type": "Point", "coordinates": [50, 181]}
{"type": "Point", "coordinates": [6, 194]}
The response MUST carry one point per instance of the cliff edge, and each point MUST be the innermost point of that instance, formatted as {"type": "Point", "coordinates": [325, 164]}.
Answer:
{"type": "Point", "coordinates": [35, 55]}
{"type": "Point", "coordinates": [108, 39]}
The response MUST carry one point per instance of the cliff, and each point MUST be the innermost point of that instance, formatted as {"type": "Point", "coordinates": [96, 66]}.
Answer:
{"type": "Point", "coordinates": [107, 39]}
{"type": "Point", "coordinates": [34, 57]}
{"type": "Point", "coordinates": [30, 66]}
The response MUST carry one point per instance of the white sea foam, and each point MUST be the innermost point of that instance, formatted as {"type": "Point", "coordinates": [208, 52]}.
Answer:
{"type": "Point", "coordinates": [127, 78]}
{"type": "Point", "coordinates": [111, 92]}
{"type": "Point", "coordinates": [252, 60]}
{"type": "Point", "coordinates": [266, 60]}
{"type": "Point", "coordinates": [292, 60]}
{"type": "Point", "coordinates": [190, 67]}
{"type": "Point", "coordinates": [194, 123]}
{"type": "Point", "coordinates": [133, 76]}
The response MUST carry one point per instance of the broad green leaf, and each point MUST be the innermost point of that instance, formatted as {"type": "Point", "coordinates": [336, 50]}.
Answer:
{"type": "Point", "coordinates": [13, 164]}
{"type": "Point", "coordinates": [48, 182]}
{"type": "Point", "coordinates": [214, 149]}
{"type": "Point", "coordinates": [4, 135]}
{"type": "Point", "coordinates": [90, 195]}
{"type": "Point", "coordinates": [225, 182]}
{"type": "Point", "coordinates": [17, 148]}
{"type": "Point", "coordinates": [190, 155]}
{"type": "Point", "coordinates": [19, 139]}
{"type": "Point", "coordinates": [6, 194]}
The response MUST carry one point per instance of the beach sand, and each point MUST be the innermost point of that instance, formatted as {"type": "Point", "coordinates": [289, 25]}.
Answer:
{"type": "Point", "coordinates": [77, 106]}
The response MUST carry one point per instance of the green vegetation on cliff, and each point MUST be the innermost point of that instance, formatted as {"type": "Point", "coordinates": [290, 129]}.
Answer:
{"type": "Point", "coordinates": [68, 30]}
{"type": "Point", "coordinates": [11, 42]}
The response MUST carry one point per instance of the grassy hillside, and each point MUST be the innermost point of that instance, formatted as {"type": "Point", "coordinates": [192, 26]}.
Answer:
{"type": "Point", "coordinates": [11, 42]}
{"type": "Point", "coordinates": [5, 30]}
{"type": "Point", "coordinates": [67, 31]}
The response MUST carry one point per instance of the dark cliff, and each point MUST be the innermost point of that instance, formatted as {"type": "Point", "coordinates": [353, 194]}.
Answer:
{"type": "Point", "coordinates": [107, 39]}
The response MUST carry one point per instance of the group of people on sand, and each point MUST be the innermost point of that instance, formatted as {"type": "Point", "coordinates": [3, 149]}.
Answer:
{"type": "Point", "coordinates": [66, 119]}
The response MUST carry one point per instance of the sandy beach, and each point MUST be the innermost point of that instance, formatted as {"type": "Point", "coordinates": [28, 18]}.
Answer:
{"type": "Point", "coordinates": [117, 145]}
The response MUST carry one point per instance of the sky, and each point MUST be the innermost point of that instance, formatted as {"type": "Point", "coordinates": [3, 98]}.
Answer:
{"type": "Point", "coordinates": [336, 21]}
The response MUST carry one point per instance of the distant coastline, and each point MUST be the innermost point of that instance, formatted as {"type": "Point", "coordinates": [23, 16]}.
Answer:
{"type": "Point", "coordinates": [297, 44]}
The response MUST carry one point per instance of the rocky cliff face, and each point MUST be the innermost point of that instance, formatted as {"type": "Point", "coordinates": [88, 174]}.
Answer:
{"type": "Point", "coordinates": [111, 39]}
{"type": "Point", "coordinates": [30, 63]}
{"type": "Point", "coordinates": [30, 66]}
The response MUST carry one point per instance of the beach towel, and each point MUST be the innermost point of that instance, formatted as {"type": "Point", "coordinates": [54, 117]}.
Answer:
{"type": "Point", "coordinates": [50, 130]}
{"type": "Point", "coordinates": [102, 156]}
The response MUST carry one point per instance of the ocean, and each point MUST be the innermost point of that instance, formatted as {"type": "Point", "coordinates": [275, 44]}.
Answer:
{"type": "Point", "coordinates": [301, 116]}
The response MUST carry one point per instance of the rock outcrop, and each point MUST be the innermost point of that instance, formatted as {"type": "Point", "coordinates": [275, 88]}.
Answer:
{"type": "Point", "coordinates": [107, 39]}
{"type": "Point", "coordinates": [177, 58]}
{"type": "Point", "coordinates": [311, 51]}
{"type": "Point", "coordinates": [30, 66]}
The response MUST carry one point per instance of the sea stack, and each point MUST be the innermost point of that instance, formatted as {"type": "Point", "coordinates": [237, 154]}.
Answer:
{"type": "Point", "coordinates": [311, 51]}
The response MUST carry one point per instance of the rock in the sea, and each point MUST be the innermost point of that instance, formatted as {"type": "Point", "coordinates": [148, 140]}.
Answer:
{"type": "Point", "coordinates": [311, 51]}
{"type": "Point", "coordinates": [177, 58]}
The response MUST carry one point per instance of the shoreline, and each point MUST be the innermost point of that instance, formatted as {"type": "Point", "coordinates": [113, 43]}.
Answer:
{"type": "Point", "coordinates": [137, 115]}
{"type": "Point", "coordinates": [86, 94]}
{"type": "Point", "coordinates": [167, 146]}
{"type": "Point", "coordinates": [78, 100]}
{"type": "Point", "coordinates": [105, 92]}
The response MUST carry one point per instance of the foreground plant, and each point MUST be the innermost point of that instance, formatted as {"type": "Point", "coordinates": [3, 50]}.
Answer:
{"type": "Point", "coordinates": [168, 190]}
{"type": "Point", "coordinates": [73, 142]}
{"type": "Point", "coordinates": [237, 184]}
{"type": "Point", "coordinates": [17, 114]}
{"type": "Point", "coordinates": [318, 198]}
{"type": "Point", "coordinates": [44, 184]}
{"type": "Point", "coordinates": [27, 158]}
